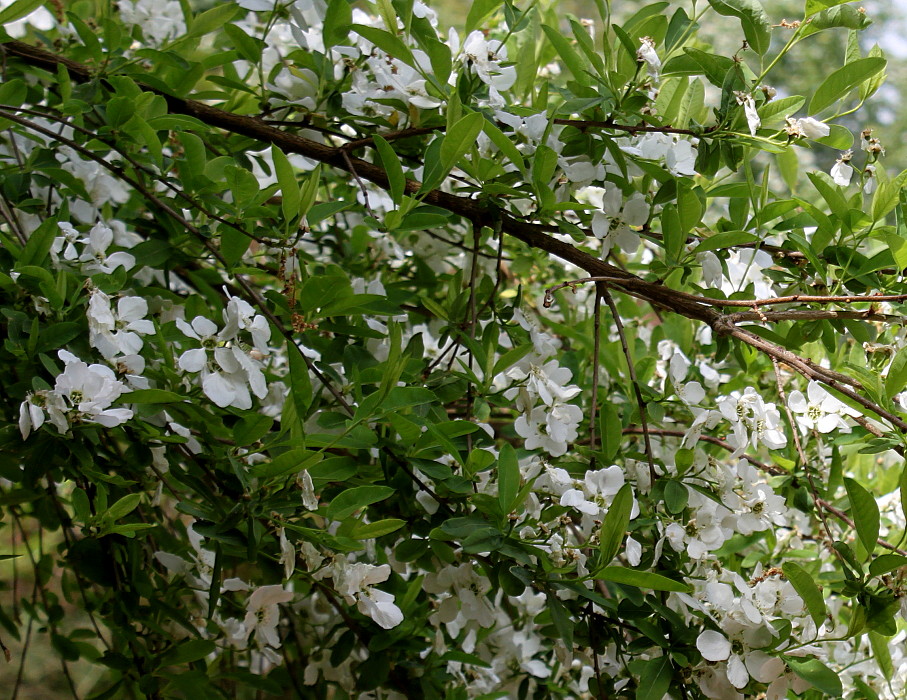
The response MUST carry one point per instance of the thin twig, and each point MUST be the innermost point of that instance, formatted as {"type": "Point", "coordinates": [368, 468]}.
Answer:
{"type": "Point", "coordinates": [596, 363]}
{"type": "Point", "coordinates": [803, 461]}
{"type": "Point", "coordinates": [640, 401]}
{"type": "Point", "coordinates": [762, 466]}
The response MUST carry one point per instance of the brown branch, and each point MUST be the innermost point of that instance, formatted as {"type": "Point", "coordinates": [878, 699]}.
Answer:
{"type": "Point", "coordinates": [583, 124]}
{"type": "Point", "coordinates": [393, 136]}
{"type": "Point", "coordinates": [769, 469]}
{"type": "Point", "coordinates": [813, 315]}
{"type": "Point", "coordinates": [843, 517]}
{"type": "Point", "coordinates": [480, 212]}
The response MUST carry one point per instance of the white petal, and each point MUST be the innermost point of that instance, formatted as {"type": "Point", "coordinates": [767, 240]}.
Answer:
{"type": "Point", "coordinates": [218, 389]}
{"type": "Point", "coordinates": [713, 645]}
{"type": "Point", "coordinates": [737, 673]}
{"type": "Point", "coordinates": [132, 308]}
{"type": "Point", "coordinates": [636, 211]}
{"type": "Point", "coordinates": [205, 327]}
{"type": "Point", "coordinates": [193, 360]}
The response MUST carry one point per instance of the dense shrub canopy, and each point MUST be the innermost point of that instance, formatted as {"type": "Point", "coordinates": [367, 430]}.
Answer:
{"type": "Point", "coordinates": [349, 355]}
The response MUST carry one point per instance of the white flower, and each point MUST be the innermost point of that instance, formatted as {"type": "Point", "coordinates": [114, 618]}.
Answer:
{"type": "Point", "coordinates": [819, 410]}
{"type": "Point", "coordinates": [807, 127]}
{"type": "Point", "coordinates": [287, 555]}
{"type": "Point", "coordinates": [94, 254]}
{"type": "Point", "coordinates": [681, 159]}
{"type": "Point", "coordinates": [379, 605]}
{"type": "Point", "coordinates": [354, 581]}
{"type": "Point", "coordinates": [483, 56]}
{"type": "Point", "coordinates": [842, 171]}
{"type": "Point", "coordinates": [239, 315]}
{"type": "Point", "coordinates": [263, 615]}
{"type": "Point", "coordinates": [869, 179]}
{"type": "Point", "coordinates": [228, 372]}
{"type": "Point", "coordinates": [309, 499]}
{"type": "Point", "coordinates": [66, 243]}
{"type": "Point", "coordinates": [646, 54]}
{"type": "Point", "coordinates": [117, 333]}
{"type": "Point", "coordinates": [32, 410]}
{"type": "Point", "coordinates": [749, 109]}
{"type": "Point", "coordinates": [752, 419]}
{"type": "Point", "coordinates": [547, 382]}
{"type": "Point", "coordinates": [763, 507]}
{"type": "Point", "coordinates": [89, 391]}
{"type": "Point", "coordinates": [613, 223]}
{"type": "Point", "coordinates": [257, 5]}
{"type": "Point", "coordinates": [160, 20]}
{"type": "Point", "coordinates": [549, 428]}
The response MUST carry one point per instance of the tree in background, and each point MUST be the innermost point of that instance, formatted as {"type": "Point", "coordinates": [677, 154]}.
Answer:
{"type": "Point", "coordinates": [349, 355]}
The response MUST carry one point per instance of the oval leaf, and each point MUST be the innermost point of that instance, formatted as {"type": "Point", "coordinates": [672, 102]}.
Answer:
{"type": "Point", "coordinates": [865, 513]}
{"type": "Point", "coordinates": [355, 498]}
{"type": "Point", "coordinates": [843, 80]}
{"type": "Point", "coordinates": [641, 579]}
{"type": "Point", "coordinates": [807, 589]}
{"type": "Point", "coordinates": [817, 673]}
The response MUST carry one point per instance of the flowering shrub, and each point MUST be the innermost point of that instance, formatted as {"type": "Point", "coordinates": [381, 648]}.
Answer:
{"type": "Point", "coordinates": [350, 355]}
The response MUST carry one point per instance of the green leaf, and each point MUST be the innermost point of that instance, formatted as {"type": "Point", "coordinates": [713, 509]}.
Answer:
{"type": "Point", "coordinates": [483, 540]}
{"type": "Point", "coordinates": [674, 236]}
{"type": "Point", "coordinates": [778, 109]}
{"type": "Point", "coordinates": [840, 16]}
{"type": "Point", "coordinates": [561, 619]}
{"type": "Point", "coordinates": [212, 19]}
{"type": "Point", "coordinates": [250, 48]}
{"type": "Point", "coordinates": [676, 496]}
{"type": "Point", "coordinates": [151, 396]}
{"type": "Point", "coordinates": [39, 242]}
{"type": "Point", "coordinates": [193, 650]}
{"type": "Point", "coordinates": [814, 6]}
{"type": "Point", "coordinates": [865, 513]}
{"type": "Point", "coordinates": [843, 80]}
{"type": "Point", "coordinates": [387, 42]}
{"type": "Point", "coordinates": [460, 139]}
{"type": "Point", "coordinates": [806, 588]}
{"type": "Point", "coordinates": [568, 54]}
{"type": "Point", "coordinates": [610, 430]}
{"type": "Point", "coordinates": [641, 579]}
{"type": "Point", "coordinates": [655, 678]}
{"type": "Point", "coordinates": [337, 20]}
{"type": "Point", "coordinates": [122, 507]}
{"type": "Point", "coordinates": [504, 145]}
{"type": "Point", "coordinates": [351, 500]}
{"type": "Point", "coordinates": [887, 195]}
{"type": "Point", "coordinates": [886, 563]}
{"type": "Point", "coordinates": [478, 11]}
{"type": "Point", "coordinates": [897, 374]}
{"type": "Point", "coordinates": [289, 188]}
{"type": "Point", "coordinates": [817, 673]}
{"type": "Point", "coordinates": [390, 161]}
{"type": "Point", "coordinates": [882, 654]}
{"type": "Point", "coordinates": [614, 526]}
{"type": "Point", "coordinates": [725, 239]}
{"type": "Point", "coordinates": [508, 478]}
{"type": "Point", "coordinates": [251, 429]}
{"type": "Point", "coordinates": [368, 531]}
{"type": "Point", "coordinates": [19, 9]}
{"type": "Point", "coordinates": [756, 26]}
{"type": "Point", "coordinates": [288, 462]}
{"type": "Point", "coordinates": [902, 489]}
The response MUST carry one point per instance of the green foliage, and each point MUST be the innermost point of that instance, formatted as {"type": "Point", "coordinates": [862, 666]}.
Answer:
{"type": "Point", "coordinates": [348, 356]}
